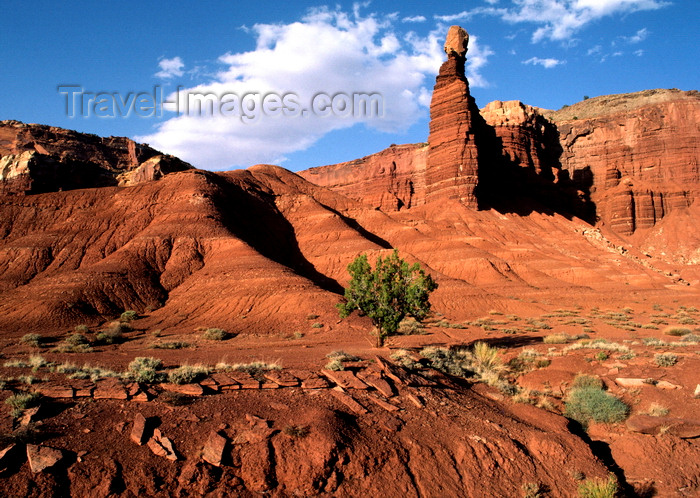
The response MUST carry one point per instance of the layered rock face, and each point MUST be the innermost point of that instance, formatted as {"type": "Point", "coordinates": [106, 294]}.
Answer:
{"type": "Point", "coordinates": [643, 160]}
{"type": "Point", "coordinates": [36, 158]}
{"type": "Point", "coordinates": [453, 169]}
{"type": "Point", "coordinates": [390, 180]}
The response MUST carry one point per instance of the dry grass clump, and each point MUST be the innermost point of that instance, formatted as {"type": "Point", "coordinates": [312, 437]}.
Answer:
{"type": "Point", "coordinates": [599, 488]}
{"type": "Point", "coordinates": [677, 331]}
{"type": "Point", "coordinates": [187, 374]}
{"type": "Point", "coordinates": [214, 334]}
{"type": "Point", "coordinates": [665, 359]}
{"type": "Point", "coordinates": [657, 410]}
{"type": "Point", "coordinates": [34, 340]}
{"type": "Point", "coordinates": [598, 344]}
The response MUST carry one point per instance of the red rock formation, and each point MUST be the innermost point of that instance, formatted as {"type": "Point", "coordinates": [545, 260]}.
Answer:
{"type": "Point", "coordinates": [452, 169]}
{"type": "Point", "coordinates": [390, 180]}
{"type": "Point", "coordinates": [37, 158]}
{"type": "Point", "coordinates": [643, 159]}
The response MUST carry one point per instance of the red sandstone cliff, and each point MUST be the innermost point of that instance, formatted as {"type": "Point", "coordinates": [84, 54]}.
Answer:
{"type": "Point", "coordinates": [36, 158]}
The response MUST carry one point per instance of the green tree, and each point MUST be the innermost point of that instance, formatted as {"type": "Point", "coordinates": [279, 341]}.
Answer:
{"type": "Point", "coordinates": [387, 294]}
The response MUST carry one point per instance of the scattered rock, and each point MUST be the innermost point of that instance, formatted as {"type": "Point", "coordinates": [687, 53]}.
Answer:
{"type": "Point", "coordinates": [42, 457]}
{"type": "Point", "coordinates": [415, 400]}
{"type": "Point", "coordinates": [383, 404]}
{"type": "Point", "coordinates": [281, 377]}
{"type": "Point", "coordinates": [697, 391]}
{"type": "Point", "coordinates": [646, 424]}
{"type": "Point", "coordinates": [139, 432]}
{"type": "Point", "coordinates": [348, 401]}
{"type": "Point", "coordinates": [30, 415]}
{"type": "Point", "coordinates": [626, 382]}
{"type": "Point", "coordinates": [188, 389]}
{"type": "Point", "coordinates": [214, 448]}
{"type": "Point", "coordinates": [225, 382]}
{"type": "Point", "coordinates": [344, 378]}
{"type": "Point", "coordinates": [162, 446]}
{"type": "Point", "coordinates": [55, 390]}
{"type": "Point", "coordinates": [314, 381]}
{"type": "Point", "coordinates": [245, 380]}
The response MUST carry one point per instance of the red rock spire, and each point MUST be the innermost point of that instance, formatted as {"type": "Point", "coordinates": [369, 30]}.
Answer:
{"type": "Point", "coordinates": [452, 169]}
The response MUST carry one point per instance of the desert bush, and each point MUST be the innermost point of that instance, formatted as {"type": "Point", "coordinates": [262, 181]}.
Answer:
{"type": "Point", "coordinates": [457, 363]}
{"type": "Point", "coordinates": [601, 356]}
{"type": "Point", "coordinates": [128, 316]}
{"type": "Point", "coordinates": [404, 358]}
{"type": "Point", "coordinates": [214, 334]}
{"type": "Point", "coordinates": [187, 374]}
{"type": "Point", "coordinates": [341, 355]}
{"type": "Point", "coordinates": [677, 331]}
{"type": "Point", "coordinates": [599, 488]}
{"type": "Point", "coordinates": [533, 490]}
{"type": "Point", "coordinates": [561, 338]}
{"type": "Point", "coordinates": [145, 369]}
{"type": "Point", "coordinates": [691, 338]}
{"type": "Point", "coordinates": [312, 316]}
{"type": "Point", "coordinates": [254, 368]}
{"type": "Point", "coordinates": [16, 364]}
{"type": "Point", "coordinates": [114, 333]}
{"type": "Point", "coordinates": [539, 324]}
{"type": "Point", "coordinates": [649, 326]}
{"type": "Point", "coordinates": [657, 410]}
{"type": "Point", "coordinates": [583, 380]}
{"type": "Point", "coordinates": [598, 344]}
{"type": "Point", "coordinates": [334, 365]}
{"type": "Point", "coordinates": [665, 359]}
{"type": "Point", "coordinates": [486, 357]}
{"type": "Point", "coordinates": [170, 345]}
{"type": "Point", "coordinates": [21, 401]}
{"type": "Point", "coordinates": [37, 362]}
{"type": "Point", "coordinates": [592, 403]}
{"type": "Point", "coordinates": [81, 329]}
{"type": "Point", "coordinates": [316, 325]}
{"type": "Point", "coordinates": [73, 371]}
{"type": "Point", "coordinates": [34, 340]}
{"type": "Point", "coordinates": [76, 339]}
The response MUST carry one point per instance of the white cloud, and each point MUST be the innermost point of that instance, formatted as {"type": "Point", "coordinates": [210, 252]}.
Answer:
{"type": "Point", "coordinates": [546, 63]}
{"type": "Point", "coordinates": [414, 19]}
{"type": "Point", "coordinates": [638, 37]}
{"type": "Point", "coordinates": [170, 68]}
{"type": "Point", "coordinates": [557, 20]}
{"type": "Point", "coordinates": [327, 51]}
{"type": "Point", "coordinates": [594, 50]}
{"type": "Point", "coordinates": [639, 52]}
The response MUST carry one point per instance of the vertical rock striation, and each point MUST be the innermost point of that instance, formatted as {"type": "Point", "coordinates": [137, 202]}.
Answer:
{"type": "Point", "coordinates": [452, 170]}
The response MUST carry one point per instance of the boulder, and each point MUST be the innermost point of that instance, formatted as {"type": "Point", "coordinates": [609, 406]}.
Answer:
{"type": "Point", "coordinates": [42, 457]}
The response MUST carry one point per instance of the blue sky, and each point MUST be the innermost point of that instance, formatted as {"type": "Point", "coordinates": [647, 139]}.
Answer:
{"type": "Point", "coordinates": [547, 53]}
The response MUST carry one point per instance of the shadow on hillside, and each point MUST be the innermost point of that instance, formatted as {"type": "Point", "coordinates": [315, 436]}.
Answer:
{"type": "Point", "coordinates": [252, 216]}
{"type": "Point", "coordinates": [512, 184]}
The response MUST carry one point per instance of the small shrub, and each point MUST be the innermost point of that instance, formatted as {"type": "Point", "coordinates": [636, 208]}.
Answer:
{"type": "Point", "coordinates": [145, 369]}
{"type": "Point", "coordinates": [410, 326]}
{"type": "Point", "coordinates": [335, 365]}
{"type": "Point", "coordinates": [690, 338]}
{"type": "Point", "coordinates": [256, 369]}
{"type": "Point", "coordinates": [81, 329]}
{"type": "Point", "coordinates": [677, 331]}
{"type": "Point", "coordinates": [592, 403]}
{"type": "Point", "coordinates": [599, 488]}
{"type": "Point", "coordinates": [486, 357]}
{"type": "Point", "coordinates": [341, 355]}
{"type": "Point", "coordinates": [296, 431]}
{"type": "Point", "coordinates": [557, 339]}
{"type": "Point", "coordinates": [21, 401]}
{"type": "Point", "coordinates": [657, 410]}
{"type": "Point", "coordinates": [128, 316]}
{"type": "Point", "coordinates": [601, 356]}
{"type": "Point", "coordinates": [76, 339]}
{"type": "Point", "coordinates": [583, 380]}
{"type": "Point", "coordinates": [316, 325]}
{"type": "Point", "coordinates": [170, 345]}
{"type": "Point", "coordinates": [404, 358]}
{"type": "Point", "coordinates": [214, 334]}
{"type": "Point", "coordinates": [649, 326]}
{"type": "Point", "coordinates": [16, 364]}
{"type": "Point", "coordinates": [187, 374]}
{"type": "Point", "coordinates": [34, 340]}
{"type": "Point", "coordinates": [457, 363]}
{"type": "Point", "coordinates": [312, 316]}
{"type": "Point", "coordinates": [114, 333]}
{"type": "Point", "coordinates": [665, 359]}
{"type": "Point", "coordinates": [37, 362]}
{"type": "Point", "coordinates": [533, 490]}
{"type": "Point", "coordinates": [297, 335]}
